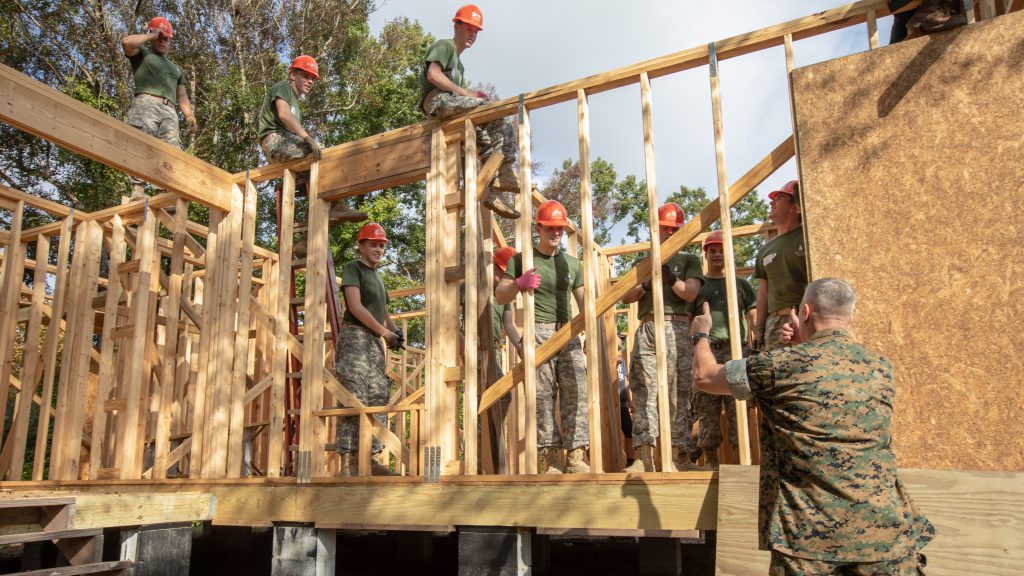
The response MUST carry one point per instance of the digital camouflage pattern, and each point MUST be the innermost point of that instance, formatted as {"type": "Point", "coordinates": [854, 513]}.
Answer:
{"type": "Point", "coordinates": [284, 146]}
{"type": "Point", "coordinates": [155, 117]}
{"type": "Point", "coordinates": [829, 486]}
{"type": "Point", "coordinates": [359, 362]}
{"type": "Point", "coordinates": [643, 382]}
{"type": "Point", "coordinates": [495, 136]}
{"type": "Point", "coordinates": [783, 565]}
{"type": "Point", "coordinates": [564, 375]}
{"type": "Point", "coordinates": [709, 410]}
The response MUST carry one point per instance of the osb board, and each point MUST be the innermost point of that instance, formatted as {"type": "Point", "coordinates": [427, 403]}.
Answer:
{"type": "Point", "coordinates": [912, 162]}
{"type": "Point", "coordinates": [978, 518]}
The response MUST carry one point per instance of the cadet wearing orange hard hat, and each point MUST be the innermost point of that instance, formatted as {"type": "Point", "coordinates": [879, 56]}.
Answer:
{"type": "Point", "coordinates": [444, 93]}
{"type": "Point", "coordinates": [681, 279]}
{"type": "Point", "coordinates": [780, 268]}
{"type": "Point", "coordinates": [159, 89]}
{"type": "Point", "coordinates": [556, 278]}
{"type": "Point", "coordinates": [359, 357]}
{"type": "Point", "coordinates": [281, 135]}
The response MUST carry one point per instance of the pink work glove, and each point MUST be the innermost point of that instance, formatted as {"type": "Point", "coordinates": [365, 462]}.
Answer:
{"type": "Point", "coordinates": [482, 95]}
{"type": "Point", "coordinates": [530, 280]}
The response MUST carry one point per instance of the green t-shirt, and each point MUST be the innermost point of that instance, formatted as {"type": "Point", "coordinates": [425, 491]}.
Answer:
{"type": "Point", "coordinates": [268, 120]}
{"type": "Point", "coordinates": [155, 74]}
{"type": "Point", "coordinates": [372, 293]}
{"type": "Point", "coordinates": [560, 274]}
{"type": "Point", "coordinates": [443, 52]}
{"type": "Point", "coordinates": [782, 262]}
{"type": "Point", "coordinates": [713, 292]}
{"type": "Point", "coordinates": [685, 266]}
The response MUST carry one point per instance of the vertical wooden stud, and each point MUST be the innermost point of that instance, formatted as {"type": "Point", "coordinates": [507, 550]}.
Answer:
{"type": "Point", "coordinates": [525, 237]}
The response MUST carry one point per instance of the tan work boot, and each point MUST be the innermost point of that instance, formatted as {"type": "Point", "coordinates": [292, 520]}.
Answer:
{"type": "Point", "coordinates": [494, 203]}
{"type": "Point", "coordinates": [578, 461]}
{"type": "Point", "coordinates": [340, 212]}
{"type": "Point", "coordinates": [681, 460]}
{"type": "Point", "coordinates": [553, 460]}
{"type": "Point", "coordinates": [348, 465]}
{"type": "Point", "coordinates": [506, 180]}
{"type": "Point", "coordinates": [644, 459]}
{"type": "Point", "coordinates": [378, 469]}
{"type": "Point", "coordinates": [712, 458]}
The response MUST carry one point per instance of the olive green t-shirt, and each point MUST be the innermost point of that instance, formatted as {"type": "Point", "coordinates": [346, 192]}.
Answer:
{"type": "Point", "coordinates": [155, 74]}
{"type": "Point", "coordinates": [782, 262]}
{"type": "Point", "coordinates": [443, 52]}
{"type": "Point", "coordinates": [685, 266]}
{"type": "Point", "coordinates": [268, 120]}
{"type": "Point", "coordinates": [713, 292]}
{"type": "Point", "coordinates": [560, 274]}
{"type": "Point", "coordinates": [372, 294]}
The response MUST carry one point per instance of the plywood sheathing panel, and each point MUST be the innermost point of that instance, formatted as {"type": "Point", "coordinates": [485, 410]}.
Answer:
{"type": "Point", "coordinates": [978, 517]}
{"type": "Point", "coordinates": [912, 168]}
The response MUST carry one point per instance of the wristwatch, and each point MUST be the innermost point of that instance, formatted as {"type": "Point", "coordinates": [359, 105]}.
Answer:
{"type": "Point", "coordinates": [696, 337]}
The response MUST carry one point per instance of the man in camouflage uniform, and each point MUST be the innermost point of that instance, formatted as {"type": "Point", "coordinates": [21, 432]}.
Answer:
{"type": "Point", "coordinates": [557, 276]}
{"type": "Point", "coordinates": [159, 89]}
{"type": "Point", "coordinates": [282, 137]}
{"type": "Point", "coordinates": [780, 268]}
{"type": "Point", "coordinates": [709, 406]}
{"type": "Point", "coordinates": [681, 278]}
{"type": "Point", "coordinates": [830, 500]}
{"type": "Point", "coordinates": [359, 356]}
{"type": "Point", "coordinates": [444, 93]}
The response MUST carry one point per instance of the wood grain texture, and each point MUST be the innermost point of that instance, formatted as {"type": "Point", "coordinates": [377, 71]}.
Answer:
{"type": "Point", "coordinates": [978, 517]}
{"type": "Point", "coordinates": [911, 162]}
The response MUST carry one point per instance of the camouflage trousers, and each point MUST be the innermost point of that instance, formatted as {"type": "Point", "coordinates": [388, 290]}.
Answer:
{"type": "Point", "coordinates": [155, 117]}
{"type": "Point", "coordinates": [564, 375]}
{"type": "Point", "coordinates": [284, 146]}
{"type": "Point", "coordinates": [643, 382]}
{"type": "Point", "coordinates": [783, 565]}
{"type": "Point", "coordinates": [773, 331]}
{"type": "Point", "coordinates": [709, 410]}
{"type": "Point", "coordinates": [359, 361]}
{"type": "Point", "coordinates": [495, 136]}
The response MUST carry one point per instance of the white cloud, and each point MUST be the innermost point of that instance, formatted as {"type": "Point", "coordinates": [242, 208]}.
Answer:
{"type": "Point", "coordinates": [528, 45]}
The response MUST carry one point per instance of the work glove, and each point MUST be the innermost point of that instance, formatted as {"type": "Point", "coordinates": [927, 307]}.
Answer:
{"type": "Point", "coordinates": [401, 339]}
{"type": "Point", "coordinates": [482, 95]}
{"type": "Point", "coordinates": [393, 340]}
{"type": "Point", "coordinates": [190, 121]}
{"type": "Point", "coordinates": [318, 150]}
{"type": "Point", "coordinates": [668, 277]}
{"type": "Point", "coordinates": [530, 280]}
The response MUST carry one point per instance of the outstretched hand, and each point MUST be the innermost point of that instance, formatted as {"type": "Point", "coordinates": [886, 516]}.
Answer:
{"type": "Point", "coordinates": [702, 323]}
{"type": "Point", "coordinates": [530, 280]}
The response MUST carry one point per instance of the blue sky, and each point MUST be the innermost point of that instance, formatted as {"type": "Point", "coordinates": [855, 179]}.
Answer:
{"type": "Point", "coordinates": [527, 45]}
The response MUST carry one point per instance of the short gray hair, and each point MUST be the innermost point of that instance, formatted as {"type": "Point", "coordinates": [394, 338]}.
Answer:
{"type": "Point", "coordinates": [831, 297]}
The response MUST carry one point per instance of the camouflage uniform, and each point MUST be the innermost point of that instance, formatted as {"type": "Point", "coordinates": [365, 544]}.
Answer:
{"type": "Point", "coordinates": [643, 381]}
{"type": "Point", "coordinates": [154, 116]}
{"type": "Point", "coordinates": [359, 361]}
{"type": "Point", "coordinates": [829, 485]}
{"type": "Point", "coordinates": [783, 565]}
{"type": "Point", "coordinates": [709, 410]}
{"type": "Point", "coordinates": [494, 136]}
{"type": "Point", "coordinates": [285, 146]}
{"type": "Point", "coordinates": [565, 375]}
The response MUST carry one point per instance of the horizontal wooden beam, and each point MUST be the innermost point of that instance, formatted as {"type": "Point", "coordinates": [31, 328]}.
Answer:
{"type": "Point", "coordinates": [34, 107]}
{"type": "Point", "coordinates": [103, 508]}
{"type": "Point", "coordinates": [48, 206]}
{"type": "Point", "coordinates": [737, 232]}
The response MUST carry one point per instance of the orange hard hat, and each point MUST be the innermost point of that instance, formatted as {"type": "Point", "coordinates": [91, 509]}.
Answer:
{"type": "Point", "coordinates": [712, 238]}
{"type": "Point", "coordinates": [502, 256]}
{"type": "Point", "coordinates": [671, 214]}
{"type": "Point", "coordinates": [306, 64]}
{"type": "Point", "coordinates": [552, 213]}
{"type": "Point", "coordinates": [371, 231]}
{"type": "Point", "coordinates": [160, 23]}
{"type": "Point", "coordinates": [792, 188]}
{"type": "Point", "coordinates": [471, 16]}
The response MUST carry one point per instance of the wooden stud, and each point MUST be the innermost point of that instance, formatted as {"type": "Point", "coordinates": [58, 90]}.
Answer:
{"type": "Point", "coordinates": [115, 258]}
{"type": "Point", "coordinates": [53, 340]}
{"type": "Point", "coordinates": [725, 218]}
{"type": "Point", "coordinates": [872, 31]}
{"type": "Point", "coordinates": [590, 273]}
{"type": "Point", "coordinates": [162, 445]}
{"type": "Point", "coordinates": [664, 412]}
{"type": "Point", "coordinates": [529, 363]}
{"type": "Point", "coordinates": [311, 435]}
{"type": "Point", "coordinates": [235, 446]}
{"type": "Point", "coordinates": [275, 454]}
{"type": "Point", "coordinates": [10, 296]}
{"type": "Point", "coordinates": [471, 318]}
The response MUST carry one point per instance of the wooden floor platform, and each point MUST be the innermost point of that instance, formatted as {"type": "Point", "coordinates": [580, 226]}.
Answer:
{"type": "Point", "coordinates": [659, 503]}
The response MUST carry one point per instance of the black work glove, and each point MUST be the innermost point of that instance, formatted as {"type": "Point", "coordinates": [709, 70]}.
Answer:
{"type": "Point", "coordinates": [401, 339]}
{"type": "Point", "coordinates": [668, 277]}
{"type": "Point", "coordinates": [392, 340]}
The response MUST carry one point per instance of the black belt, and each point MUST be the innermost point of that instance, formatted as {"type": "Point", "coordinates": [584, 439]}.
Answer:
{"type": "Point", "coordinates": [160, 98]}
{"type": "Point", "coordinates": [720, 345]}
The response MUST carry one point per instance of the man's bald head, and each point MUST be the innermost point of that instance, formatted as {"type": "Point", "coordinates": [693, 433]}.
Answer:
{"type": "Point", "coordinates": [831, 299]}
